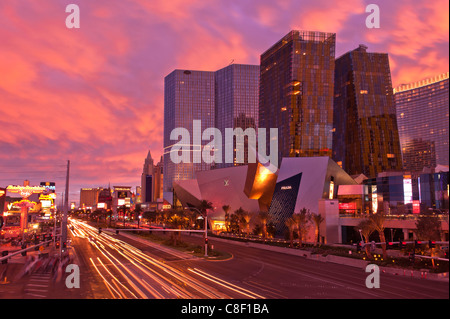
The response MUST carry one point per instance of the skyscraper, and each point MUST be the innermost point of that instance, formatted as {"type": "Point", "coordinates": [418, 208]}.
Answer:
{"type": "Point", "coordinates": [227, 98]}
{"type": "Point", "coordinates": [236, 103]}
{"type": "Point", "coordinates": [296, 93]}
{"type": "Point", "coordinates": [151, 180]}
{"type": "Point", "coordinates": [365, 138]}
{"type": "Point", "coordinates": [422, 117]}
{"type": "Point", "coordinates": [188, 96]}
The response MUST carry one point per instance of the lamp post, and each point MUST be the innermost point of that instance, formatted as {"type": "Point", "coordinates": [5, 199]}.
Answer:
{"type": "Point", "coordinates": [206, 227]}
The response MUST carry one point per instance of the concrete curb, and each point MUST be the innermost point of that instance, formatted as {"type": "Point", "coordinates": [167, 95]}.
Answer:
{"type": "Point", "coordinates": [352, 262]}
{"type": "Point", "coordinates": [168, 250]}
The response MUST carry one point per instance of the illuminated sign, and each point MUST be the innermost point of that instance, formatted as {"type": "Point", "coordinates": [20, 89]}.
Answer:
{"type": "Point", "coordinates": [122, 194]}
{"type": "Point", "coordinates": [416, 207]}
{"type": "Point", "coordinates": [49, 197]}
{"type": "Point", "coordinates": [331, 190]}
{"type": "Point", "coordinates": [374, 199]}
{"type": "Point", "coordinates": [21, 203]}
{"type": "Point", "coordinates": [347, 206]}
{"type": "Point", "coordinates": [101, 205]}
{"type": "Point", "coordinates": [25, 191]}
{"type": "Point", "coordinates": [407, 189]}
{"type": "Point", "coordinates": [286, 187]}
{"type": "Point", "coordinates": [49, 186]}
{"type": "Point", "coordinates": [46, 203]}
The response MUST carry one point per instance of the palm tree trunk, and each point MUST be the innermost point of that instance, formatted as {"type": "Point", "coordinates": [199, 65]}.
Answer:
{"type": "Point", "coordinates": [383, 245]}
{"type": "Point", "coordinates": [317, 236]}
{"type": "Point", "coordinates": [291, 237]}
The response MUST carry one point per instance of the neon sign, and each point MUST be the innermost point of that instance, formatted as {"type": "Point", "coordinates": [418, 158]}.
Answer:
{"type": "Point", "coordinates": [25, 191]}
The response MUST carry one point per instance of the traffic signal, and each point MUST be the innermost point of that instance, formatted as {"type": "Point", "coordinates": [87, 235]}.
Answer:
{"type": "Point", "coordinates": [117, 232]}
{"type": "Point", "coordinates": [358, 247]}
{"type": "Point", "coordinates": [431, 243]}
{"type": "Point", "coordinates": [99, 230]}
{"type": "Point", "coordinates": [36, 239]}
{"type": "Point", "coordinates": [400, 245]}
{"type": "Point", "coordinates": [389, 245]}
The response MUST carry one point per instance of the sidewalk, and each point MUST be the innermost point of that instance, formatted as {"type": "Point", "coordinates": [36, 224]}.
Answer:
{"type": "Point", "coordinates": [352, 262]}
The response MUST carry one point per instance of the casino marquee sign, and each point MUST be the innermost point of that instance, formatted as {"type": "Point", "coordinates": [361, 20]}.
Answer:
{"type": "Point", "coordinates": [25, 191]}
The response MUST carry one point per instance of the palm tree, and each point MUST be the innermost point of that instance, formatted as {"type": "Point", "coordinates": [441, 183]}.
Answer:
{"type": "Point", "coordinates": [377, 222]}
{"type": "Point", "coordinates": [239, 213]}
{"type": "Point", "coordinates": [429, 228]}
{"type": "Point", "coordinates": [176, 221]}
{"type": "Point", "coordinates": [263, 218]}
{"type": "Point", "coordinates": [204, 206]}
{"type": "Point", "coordinates": [226, 209]}
{"type": "Point", "coordinates": [366, 229]}
{"type": "Point", "coordinates": [301, 220]}
{"type": "Point", "coordinates": [291, 224]}
{"type": "Point", "coordinates": [317, 219]}
{"type": "Point", "coordinates": [246, 217]}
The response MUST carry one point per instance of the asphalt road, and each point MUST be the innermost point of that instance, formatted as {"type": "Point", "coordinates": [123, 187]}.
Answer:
{"type": "Point", "coordinates": [117, 267]}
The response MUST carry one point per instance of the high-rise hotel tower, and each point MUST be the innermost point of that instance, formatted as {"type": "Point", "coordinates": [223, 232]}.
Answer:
{"type": "Point", "coordinates": [422, 117]}
{"type": "Point", "coordinates": [296, 93]}
{"type": "Point", "coordinates": [227, 98]}
{"type": "Point", "coordinates": [366, 139]}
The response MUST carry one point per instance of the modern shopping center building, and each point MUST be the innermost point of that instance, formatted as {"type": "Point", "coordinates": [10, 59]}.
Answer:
{"type": "Point", "coordinates": [321, 186]}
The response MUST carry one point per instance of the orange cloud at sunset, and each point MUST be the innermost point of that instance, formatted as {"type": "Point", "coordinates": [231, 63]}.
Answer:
{"type": "Point", "coordinates": [95, 95]}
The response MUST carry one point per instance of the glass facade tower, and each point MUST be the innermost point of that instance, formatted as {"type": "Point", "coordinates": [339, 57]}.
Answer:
{"type": "Point", "coordinates": [237, 87]}
{"type": "Point", "coordinates": [365, 139]}
{"type": "Point", "coordinates": [423, 123]}
{"type": "Point", "coordinates": [227, 98]}
{"type": "Point", "coordinates": [188, 96]}
{"type": "Point", "coordinates": [296, 93]}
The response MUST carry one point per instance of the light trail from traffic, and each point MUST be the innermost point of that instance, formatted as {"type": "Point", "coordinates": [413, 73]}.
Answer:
{"type": "Point", "coordinates": [142, 276]}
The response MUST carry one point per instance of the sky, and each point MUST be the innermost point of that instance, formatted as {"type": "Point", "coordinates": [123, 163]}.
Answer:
{"type": "Point", "coordinates": [94, 95]}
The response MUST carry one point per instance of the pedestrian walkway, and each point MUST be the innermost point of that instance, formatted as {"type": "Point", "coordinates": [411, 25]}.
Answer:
{"type": "Point", "coordinates": [38, 286]}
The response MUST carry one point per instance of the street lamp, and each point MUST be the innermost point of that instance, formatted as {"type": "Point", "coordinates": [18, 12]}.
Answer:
{"type": "Point", "coordinates": [206, 227]}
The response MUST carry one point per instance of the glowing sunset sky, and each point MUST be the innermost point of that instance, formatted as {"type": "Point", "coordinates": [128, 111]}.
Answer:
{"type": "Point", "coordinates": [95, 95]}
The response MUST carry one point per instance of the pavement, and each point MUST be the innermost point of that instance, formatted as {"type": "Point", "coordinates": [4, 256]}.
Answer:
{"type": "Point", "coordinates": [45, 282]}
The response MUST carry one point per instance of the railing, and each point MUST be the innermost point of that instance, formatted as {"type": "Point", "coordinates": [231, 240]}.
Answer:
{"type": "Point", "coordinates": [17, 252]}
{"type": "Point", "coordinates": [395, 217]}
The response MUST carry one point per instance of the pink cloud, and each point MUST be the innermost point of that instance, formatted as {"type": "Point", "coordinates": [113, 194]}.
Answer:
{"type": "Point", "coordinates": [96, 94]}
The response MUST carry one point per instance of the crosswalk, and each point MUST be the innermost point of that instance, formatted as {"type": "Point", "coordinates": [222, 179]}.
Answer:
{"type": "Point", "coordinates": [38, 285]}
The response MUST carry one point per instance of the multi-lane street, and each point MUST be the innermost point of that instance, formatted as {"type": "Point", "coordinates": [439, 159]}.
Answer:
{"type": "Point", "coordinates": [120, 266]}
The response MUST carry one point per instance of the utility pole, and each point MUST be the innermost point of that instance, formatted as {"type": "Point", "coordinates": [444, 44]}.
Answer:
{"type": "Point", "coordinates": [65, 212]}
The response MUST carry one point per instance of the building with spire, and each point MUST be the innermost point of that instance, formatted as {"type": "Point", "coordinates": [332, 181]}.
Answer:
{"type": "Point", "coordinates": [151, 180]}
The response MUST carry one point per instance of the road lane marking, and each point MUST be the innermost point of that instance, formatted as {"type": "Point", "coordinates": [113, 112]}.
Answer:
{"type": "Point", "coordinates": [226, 284]}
